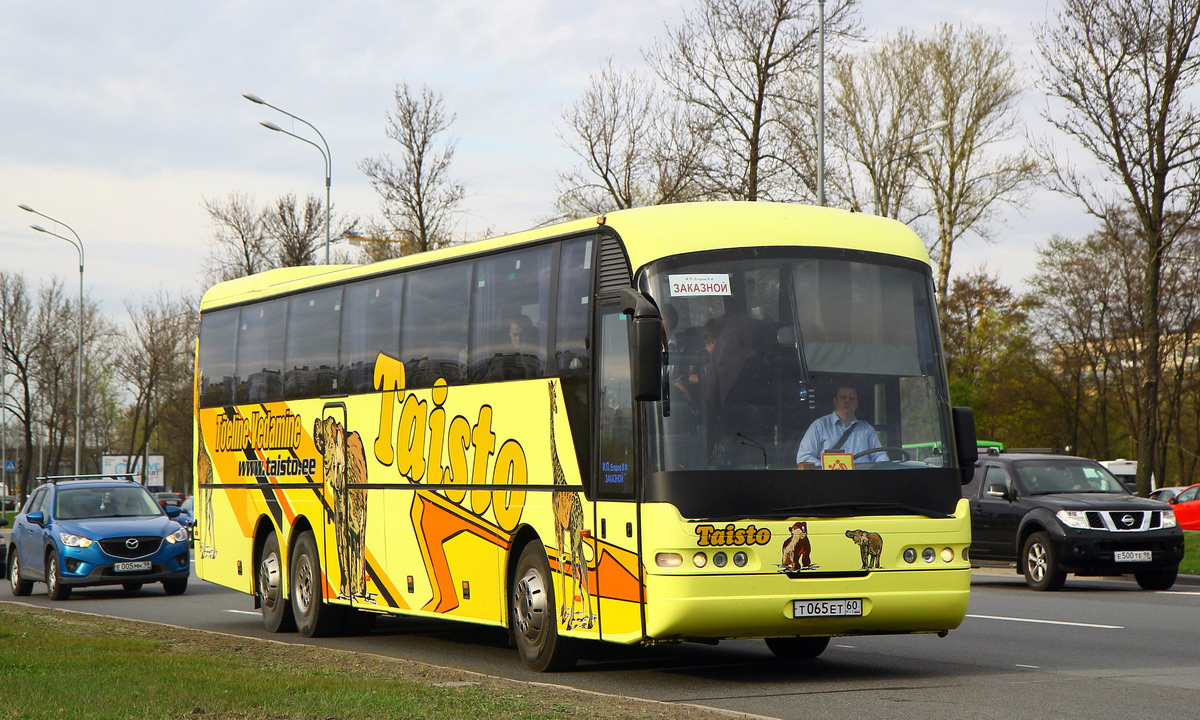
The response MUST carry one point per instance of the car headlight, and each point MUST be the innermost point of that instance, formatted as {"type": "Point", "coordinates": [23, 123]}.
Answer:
{"type": "Point", "coordinates": [178, 536]}
{"type": "Point", "coordinates": [1073, 518]}
{"type": "Point", "coordinates": [75, 540]}
{"type": "Point", "coordinates": [1168, 519]}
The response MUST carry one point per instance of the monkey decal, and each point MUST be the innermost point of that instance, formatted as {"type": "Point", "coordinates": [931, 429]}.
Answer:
{"type": "Point", "coordinates": [797, 549]}
{"type": "Point", "coordinates": [345, 467]}
{"type": "Point", "coordinates": [870, 545]}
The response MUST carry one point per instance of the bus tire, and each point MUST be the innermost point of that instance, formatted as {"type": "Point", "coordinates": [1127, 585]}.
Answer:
{"type": "Point", "coordinates": [1041, 566]}
{"type": "Point", "coordinates": [276, 610]}
{"type": "Point", "coordinates": [534, 614]}
{"type": "Point", "coordinates": [797, 648]}
{"type": "Point", "coordinates": [314, 617]}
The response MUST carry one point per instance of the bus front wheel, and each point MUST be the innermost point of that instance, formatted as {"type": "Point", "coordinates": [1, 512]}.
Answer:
{"type": "Point", "coordinates": [534, 614]}
{"type": "Point", "coordinates": [276, 611]}
{"type": "Point", "coordinates": [797, 648]}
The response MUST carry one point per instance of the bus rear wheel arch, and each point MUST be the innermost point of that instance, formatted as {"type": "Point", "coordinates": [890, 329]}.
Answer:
{"type": "Point", "coordinates": [534, 615]}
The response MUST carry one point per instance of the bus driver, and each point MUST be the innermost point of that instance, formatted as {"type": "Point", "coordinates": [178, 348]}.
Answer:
{"type": "Point", "coordinates": [839, 431]}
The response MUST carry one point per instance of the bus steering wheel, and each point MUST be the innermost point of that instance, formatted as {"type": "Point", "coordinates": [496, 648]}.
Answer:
{"type": "Point", "coordinates": [904, 456]}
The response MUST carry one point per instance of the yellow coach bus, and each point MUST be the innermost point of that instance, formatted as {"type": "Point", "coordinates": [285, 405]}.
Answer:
{"type": "Point", "coordinates": [608, 429]}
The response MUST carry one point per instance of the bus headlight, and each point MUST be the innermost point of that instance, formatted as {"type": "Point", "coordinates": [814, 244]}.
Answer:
{"type": "Point", "coordinates": [740, 559]}
{"type": "Point", "coordinates": [910, 555]}
{"type": "Point", "coordinates": [699, 559]}
{"type": "Point", "coordinates": [668, 559]}
{"type": "Point", "coordinates": [927, 555]}
{"type": "Point", "coordinates": [720, 559]}
{"type": "Point", "coordinates": [947, 555]}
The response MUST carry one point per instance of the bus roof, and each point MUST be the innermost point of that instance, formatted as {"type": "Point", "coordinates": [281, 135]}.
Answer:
{"type": "Point", "coordinates": [649, 233]}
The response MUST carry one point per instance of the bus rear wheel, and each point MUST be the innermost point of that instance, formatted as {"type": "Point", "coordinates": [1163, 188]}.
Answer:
{"type": "Point", "coordinates": [534, 615]}
{"type": "Point", "coordinates": [314, 617]}
{"type": "Point", "coordinates": [276, 610]}
{"type": "Point", "coordinates": [797, 648]}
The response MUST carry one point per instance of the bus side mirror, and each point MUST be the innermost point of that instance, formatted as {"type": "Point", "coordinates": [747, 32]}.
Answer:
{"type": "Point", "coordinates": [965, 445]}
{"type": "Point", "coordinates": [647, 358]}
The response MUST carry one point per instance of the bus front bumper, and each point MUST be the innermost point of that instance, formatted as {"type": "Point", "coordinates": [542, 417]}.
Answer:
{"type": "Point", "coordinates": [681, 607]}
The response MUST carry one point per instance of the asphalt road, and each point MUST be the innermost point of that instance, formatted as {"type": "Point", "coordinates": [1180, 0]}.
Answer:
{"type": "Point", "coordinates": [1097, 649]}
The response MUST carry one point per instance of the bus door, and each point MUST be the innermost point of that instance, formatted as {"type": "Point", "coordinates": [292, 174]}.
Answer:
{"type": "Point", "coordinates": [618, 570]}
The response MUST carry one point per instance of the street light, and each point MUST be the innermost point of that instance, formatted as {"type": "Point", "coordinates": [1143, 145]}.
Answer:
{"type": "Point", "coordinates": [928, 147]}
{"type": "Point", "coordinates": [78, 243]}
{"type": "Point", "coordinates": [328, 157]}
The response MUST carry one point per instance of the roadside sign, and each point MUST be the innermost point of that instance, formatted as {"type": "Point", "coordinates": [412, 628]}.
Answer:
{"type": "Point", "coordinates": [119, 464]}
{"type": "Point", "coordinates": [10, 466]}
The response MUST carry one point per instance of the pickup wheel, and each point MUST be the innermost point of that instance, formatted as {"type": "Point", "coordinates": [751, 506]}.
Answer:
{"type": "Point", "coordinates": [1041, 566]}
{"type": "Point", "coordinates": [1157, 579]}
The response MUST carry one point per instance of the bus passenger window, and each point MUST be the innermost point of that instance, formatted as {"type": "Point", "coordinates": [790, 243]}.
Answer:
{"type": "Point", "coordinates": [314, 320]}
{"type": "Point", "coordinates": [433, 334]}
{"type": "Point", "coordinates": [218, 339]}
{"type": "Point", "coordinates": [260, 352]}
{"type": "Point", "coordinates": [509, 306]}
{"type": "Point", "coordinates": [370, 326]}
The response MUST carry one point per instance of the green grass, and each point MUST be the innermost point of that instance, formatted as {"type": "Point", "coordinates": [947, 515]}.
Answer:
{"type": "Point", "coordinates": [1191, 553]}
{"type": "Point", "coordinates": [65, 665]}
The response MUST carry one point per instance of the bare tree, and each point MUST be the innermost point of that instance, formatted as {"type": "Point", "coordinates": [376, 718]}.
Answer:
{"type": "Point", "coordinates": [1123, 69]}
{"type": "Point", "coordinates": [636, 147]}
{"type": "Point", "coordinates": [736, 62]}
{"type": "Point", "coordinates": [21, 343]}
{"type": "Point", "coordinates": [876, 115]}
{"type": "Point", "coordinates": [418, 195]}
{"type": "Point", "coordinates": [969, 80]}
{"type": "Point", "coordinates": [294, 231]}
{"type": "Point", "coordinates": [240, 244]}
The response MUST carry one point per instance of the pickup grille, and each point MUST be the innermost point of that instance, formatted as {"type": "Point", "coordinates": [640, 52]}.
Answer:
{"type": "Point", "coordinates": [1124, 520]}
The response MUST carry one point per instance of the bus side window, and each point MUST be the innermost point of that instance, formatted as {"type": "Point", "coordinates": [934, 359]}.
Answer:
{"type": "Point", "coordinates": [571, 346]}
{"type": "Point", "coordinates": [433, 334]}
{"type": "Point", "coordinates": [510, 301]}
{"type": "Point", "coordinates": [260, 352]}
{"type": "Point", "coordinates": [218, 341]}
{"type": "Point", "coordinates": [370, 326]}
{"type": "Point", "coordinates": [314, 320]}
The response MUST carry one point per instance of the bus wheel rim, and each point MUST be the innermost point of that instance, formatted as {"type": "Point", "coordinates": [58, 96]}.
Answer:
{"type": "Point", "coordinates": [268, 581]}
{"type": "Point", "coordinates": [304, 585]}
{"type": "Point", "coordinates": [531, 605]}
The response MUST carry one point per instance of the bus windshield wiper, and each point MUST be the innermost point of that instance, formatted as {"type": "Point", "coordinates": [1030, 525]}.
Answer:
{"type": "Point", "coordinates": [856, 508]}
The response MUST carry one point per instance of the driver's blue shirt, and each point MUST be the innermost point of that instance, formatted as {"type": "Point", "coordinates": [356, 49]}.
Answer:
{"type": "Point", "coordinates": [825, 431]}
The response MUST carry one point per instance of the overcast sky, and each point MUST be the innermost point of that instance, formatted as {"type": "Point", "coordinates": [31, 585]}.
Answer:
{"type": "Point", "coordinates": [119, 118]}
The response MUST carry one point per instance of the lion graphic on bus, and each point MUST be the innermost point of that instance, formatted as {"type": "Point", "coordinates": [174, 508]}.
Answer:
{"type": "Point", "coordinates": [345, 468]}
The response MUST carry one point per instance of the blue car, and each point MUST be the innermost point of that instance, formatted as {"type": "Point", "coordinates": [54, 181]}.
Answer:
{"type": "Point", "coordinates": [85, 531]}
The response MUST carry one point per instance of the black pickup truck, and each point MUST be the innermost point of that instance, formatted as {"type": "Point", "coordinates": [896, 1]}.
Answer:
{"type": "Point", "coordinates": [1051, 514]}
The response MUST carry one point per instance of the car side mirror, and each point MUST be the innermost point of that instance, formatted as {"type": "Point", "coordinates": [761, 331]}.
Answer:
{"type": "Point", "coordinates": [37, 518]}
{"type": "Point", "coordinates": [997, 490]}
{"type": "Point", "coordinates": [172, 511]}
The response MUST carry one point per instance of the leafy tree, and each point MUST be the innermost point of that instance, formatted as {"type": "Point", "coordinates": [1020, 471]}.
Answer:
{"type": "Point", "coordinates": [1123, 70]}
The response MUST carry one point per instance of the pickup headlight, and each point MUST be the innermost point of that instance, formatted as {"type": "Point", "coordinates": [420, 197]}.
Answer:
{"type": "Point", "coordinates": [180, 535]}
{"type": "Point", "coordinates": [77, 541]}
{"type": "Point", "coordinates": [1168, 519]}
{"type": "Point", "coordinates": [1073, 518]}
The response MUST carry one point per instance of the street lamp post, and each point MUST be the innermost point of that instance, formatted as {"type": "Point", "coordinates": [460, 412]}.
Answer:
{"type": "Point", "coordinates": [78, 243]}
{"type": "Point", "coordinates": [911, 153]}
{"type": "Point", "coordinates": [328, 156]}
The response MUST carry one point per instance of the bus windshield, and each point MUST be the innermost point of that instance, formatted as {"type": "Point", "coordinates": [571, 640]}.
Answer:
{"type": "Point", "coordinates": [781, 359]}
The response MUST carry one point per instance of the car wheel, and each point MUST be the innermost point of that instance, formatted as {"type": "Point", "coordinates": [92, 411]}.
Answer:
{"type": "Point", "coordinates": [132, 586]}
{"type": "Point", "coordinates": [535, 615]}
{"type": "Point", "coordinates": [175, 587]}
{"type": "Point", "coordinates": [20, 588]}
{"type": "Point", "coordinates": [276, 610]}
{"type": "Point", "coordinates": [1157, 579]}
{"type": "Point", "coordinates": [1041, 566]}
{"type": "Point", "coordinates": [314, 617]}
{"type": "Point", "coordinates": [54, 587]}
{"type": "Point", "coordinates": [797, 648]}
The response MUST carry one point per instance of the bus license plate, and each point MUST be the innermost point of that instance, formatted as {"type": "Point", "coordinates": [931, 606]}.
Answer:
{"type": "Point", "coordinates": [848, 607]}
{"type": "Point", "coordinates": [1133, 555]}
{"type": "Point", "coordinates": [132, 566]}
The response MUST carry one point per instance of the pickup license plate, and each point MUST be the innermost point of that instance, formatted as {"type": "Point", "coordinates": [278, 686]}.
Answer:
{"type": "Point", "coordinates": [1133, 555]}
{"type": "Point", "coordinates": [847, 607]}
{"type": "Point", "coordinates": [132, 566]}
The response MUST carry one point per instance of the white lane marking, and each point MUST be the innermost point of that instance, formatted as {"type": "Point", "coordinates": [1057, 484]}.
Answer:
{"type": "Point", "coordinates": [1177, 592]}
{"type": "Point", "coordinates": [242, 612]}
{"type": "Point", "coordinates": [1048, 622]}
{"type": "Point", "coordinates": [1031, 667]}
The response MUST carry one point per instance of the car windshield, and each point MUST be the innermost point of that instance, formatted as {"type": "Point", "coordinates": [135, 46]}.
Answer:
{"type": "Point", "coordinates": [1038, 477]}
{"type": "Point", "coordinates": [98, 502]}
